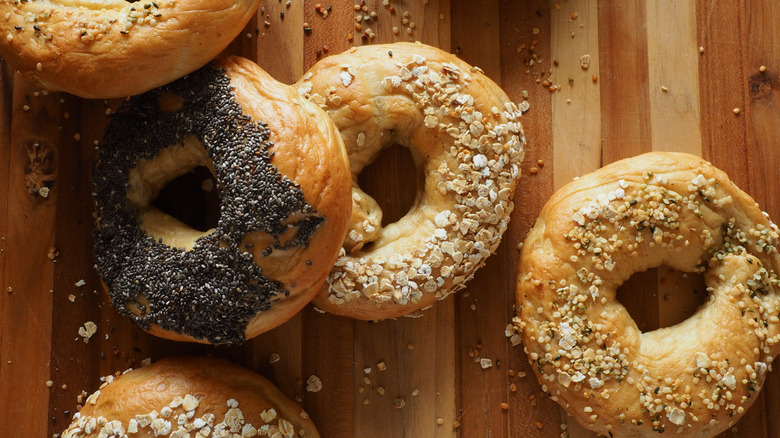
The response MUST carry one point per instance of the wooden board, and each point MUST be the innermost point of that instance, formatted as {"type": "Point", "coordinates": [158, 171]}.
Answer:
{"type": "Point", "coordinates": [663, 75]}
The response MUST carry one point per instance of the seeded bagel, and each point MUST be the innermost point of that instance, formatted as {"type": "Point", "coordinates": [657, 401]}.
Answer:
{"type": "Point", "coordinates": [283, 181]}
{"type": "Point", "coordinates": [116, 48]}
{"type": "Point", "coordinates": [694, 379]}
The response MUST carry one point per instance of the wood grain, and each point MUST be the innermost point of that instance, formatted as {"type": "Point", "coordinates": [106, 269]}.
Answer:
{"type": "Point", "coordinates": [532, 414]}
{"type": "Point", "coordinates": [26, 298]}
{"type": "Point", "coordinates": [654, 91]}
{"type": "Point", "coordinates": [762, 126]}
{"type": "Point", "coordinates": [408, 397]}
{"type": "Point", "coordinates": [576, 119]}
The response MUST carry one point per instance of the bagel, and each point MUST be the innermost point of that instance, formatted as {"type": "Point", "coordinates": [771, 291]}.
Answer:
{"type": "Point", "coordinates": [283, 179]}
{"type": "Point", "coordinates": [695, 378]}
{"type": "Point", "coordinates": [466, 138]}
{"type": "Point", "coordinates": [189, 397]}
{"type": "Point", "coordinates": [116, 48]}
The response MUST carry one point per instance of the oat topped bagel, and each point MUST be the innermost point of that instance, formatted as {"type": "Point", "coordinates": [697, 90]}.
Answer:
{"type": "Point", "coordinates": [466, 138]}
{"type": "Point", "coordinates": [116, 48]}
{"type": "Point", "coordinates": [194, 397]}
{"type": "Point", "coordinates": [695, 378]}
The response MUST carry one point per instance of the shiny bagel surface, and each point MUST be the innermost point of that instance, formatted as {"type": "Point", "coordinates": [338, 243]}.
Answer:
{"type": "Point", "coordinates": [114, 48]}
{"type": "Point", "coordinates": [467, 141]}
{"type": "Point", "coordinates": [189, 397]}
{"type": "Point", "coordinates": [283, 181]}
{"type": "Point", "coordinates": [695, 378]}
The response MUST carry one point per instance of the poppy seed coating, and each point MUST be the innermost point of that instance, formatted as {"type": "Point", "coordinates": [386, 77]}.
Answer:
{"type": "Point", "coordinates": [213, 290]}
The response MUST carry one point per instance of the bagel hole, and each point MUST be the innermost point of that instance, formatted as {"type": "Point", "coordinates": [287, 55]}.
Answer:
{"type": "Point", "coordinates": [388, 179]}
{"type": "Point", "coordinates": [191, 198]}
{"type": "Point", "coordinates": [662, 297]}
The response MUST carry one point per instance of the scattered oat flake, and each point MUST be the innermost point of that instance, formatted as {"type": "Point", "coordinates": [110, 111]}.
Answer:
{"type": "Point", "coordinates": [274, 357]}
{"type": "Point", "coordinates": [87, 330]}
{"type": "Point", "coordinates": [585, 61]}
{"type": "Point", "coordinates": [80, 283]}
{"type": "Point", "coordinates": [313, 384]}
{"type": "Point", "coordinates": [485, 363]}
{"type": "Point", "coordinates": [72, 298]}
{"type": "Point", "coordinates": [381, 366]}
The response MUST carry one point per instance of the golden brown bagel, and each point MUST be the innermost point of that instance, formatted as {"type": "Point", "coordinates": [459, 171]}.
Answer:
{"type": "Point", "coordinates": [466, 138]}
{"type": "Point", "coordinates": [116, 48]}
{"type": "Point", "coordinates": [695, 378]}
{"type": "Point", "coordinates": [284, 204]}
{"type": "Point", "coordinates": [189, 397]}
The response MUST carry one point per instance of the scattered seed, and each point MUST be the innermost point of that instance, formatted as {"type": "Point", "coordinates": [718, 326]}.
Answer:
{"type": "Point", "coordinates": [585, 61]}
{"type": "Point", "coordinates": [313, 384]}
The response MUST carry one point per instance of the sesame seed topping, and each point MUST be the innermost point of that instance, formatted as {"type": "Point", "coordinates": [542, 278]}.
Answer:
{"type": "Point", "coordinates": [576, 335]}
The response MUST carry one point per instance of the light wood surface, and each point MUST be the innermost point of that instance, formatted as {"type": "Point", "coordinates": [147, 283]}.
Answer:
{"type": "Point", "coordinates": [654, 90]}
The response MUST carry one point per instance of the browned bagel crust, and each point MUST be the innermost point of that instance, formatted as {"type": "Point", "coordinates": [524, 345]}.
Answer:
{"type": "Point", "coordinates": [306, 150]}
{"type": "Point", "coordinates": [152, 400]}
{"type": "Point", "coordinates": [695, 378]}
{"type": "Point", "coordinates": [113, 48]}
{"type": "Point", "coordinates": [466, 137]}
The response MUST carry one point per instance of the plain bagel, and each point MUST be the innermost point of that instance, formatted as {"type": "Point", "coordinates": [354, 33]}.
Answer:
{"type": "Point", "coordinates": [116, 48]}
{"type": "Point", "coordinates": [189, 397]}
{"type": "Point", "coordinates": [695, 378]}
{"type": "Point", "coordinates": [283, 181]}
{"type": "Point", "coordinates": [467, 140]}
